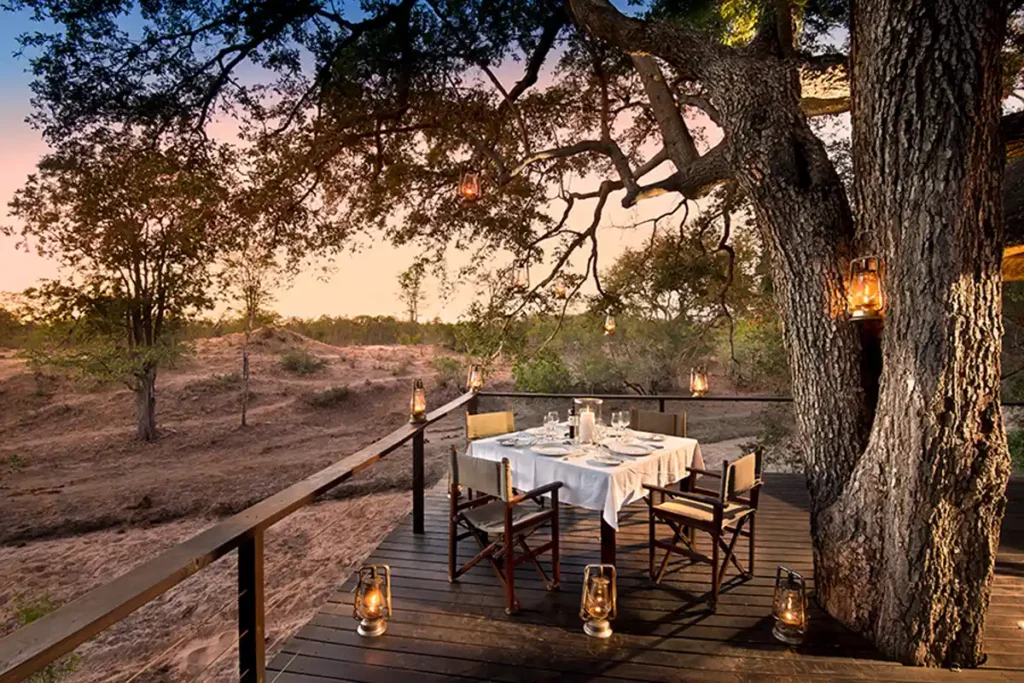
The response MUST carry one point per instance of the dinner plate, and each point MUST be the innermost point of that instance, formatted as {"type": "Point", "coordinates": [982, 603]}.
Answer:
{"type": "Point", "coordinates": [517, 441]}
{"type": "Point", "coordinates": [552, 449]}
{"type": "Point", "coordinates": [604, 461]}
{"type": "Point", "coordinates": [652, 437]}
{"type": "Point", "coordinates": [628, 448]}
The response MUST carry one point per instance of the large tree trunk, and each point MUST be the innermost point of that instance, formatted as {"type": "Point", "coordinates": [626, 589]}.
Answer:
{"type": "Point", "coordinates": [145, 405]}
{"type": "Point", "coordinates": [929, 490]}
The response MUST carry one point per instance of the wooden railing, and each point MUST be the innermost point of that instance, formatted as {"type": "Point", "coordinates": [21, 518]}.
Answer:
{"type": "Point", "coordinates": [31, 648]}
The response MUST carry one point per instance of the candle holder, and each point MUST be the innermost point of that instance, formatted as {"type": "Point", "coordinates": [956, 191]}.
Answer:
{"type": "Point", "coordinates": [699, 381]}
{"type": "Point", "coordinates": [469, 186]}
{"type": "Point", "coordinates": [609, 326]}
{"type": "Point", "coordinates": [598, 606]}
{"type": "Point", "coordinates": [475, 381]}
{"type": "Point", "coordinates": [789, 607]}
{"type": "Point", "coordinates": [588, 418]}
{"type": "Point", "coordinates": [371, 605]}
{"type": "Point", "coordinates": [866, 294]}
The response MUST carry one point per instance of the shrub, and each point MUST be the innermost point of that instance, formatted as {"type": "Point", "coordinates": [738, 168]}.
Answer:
{"type": "Point", "coordinates": [545, 374]}
{"type": "Point", "coordinates": [302, 362]}
{"type": "Point", "coordinates": [1015, 440]}
{"type": "Point", "coordinates": [28, 611]}
{"type": "Point", "coordinates": [327, 398]}
{"type": "Point", "coordinates": [449, 370]}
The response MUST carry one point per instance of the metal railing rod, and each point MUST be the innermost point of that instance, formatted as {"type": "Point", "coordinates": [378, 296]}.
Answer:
{"type": "Point", "coordinates": [640, 397]}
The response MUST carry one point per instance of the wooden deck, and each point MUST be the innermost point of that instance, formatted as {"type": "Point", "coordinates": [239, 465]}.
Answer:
{"type": "Point", "coordinates": [445, 632]}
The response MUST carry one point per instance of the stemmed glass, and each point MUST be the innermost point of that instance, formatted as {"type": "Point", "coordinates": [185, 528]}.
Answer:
{"type": "Point", "coordinates": [620, 420]}
{"type": "Point", "coordinates": [551, 423]}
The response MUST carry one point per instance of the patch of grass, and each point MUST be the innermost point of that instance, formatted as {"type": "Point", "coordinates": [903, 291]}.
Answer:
{"type": "Point", "coordinates": [302, 362]}
{"type": "Point", "coordinates": [1015, 440]}
{"type": "Point", "coordinates": [327, 398]}
{"type": "Point", "coordinates": [27, 611]}
{"type": "Point", "coordinates": [216, 382]}
{"type": "Point", "coordinates": [449, 371]}
{"type": "Point", "coordinates": [15, 463]}
{"type": "Point", "coordinates": [401, 369]}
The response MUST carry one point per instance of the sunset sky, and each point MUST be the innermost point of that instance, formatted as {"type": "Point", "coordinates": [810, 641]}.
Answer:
{"type": "Point", "coordinates": [361, 283]}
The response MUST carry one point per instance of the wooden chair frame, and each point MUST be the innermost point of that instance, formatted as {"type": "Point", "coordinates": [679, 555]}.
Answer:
{"type": "Point", "coordinates": [501, 553]}
{"type": "Point", "coordinates": [684, 527]}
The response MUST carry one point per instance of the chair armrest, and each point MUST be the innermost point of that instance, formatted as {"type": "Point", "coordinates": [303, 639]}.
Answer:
{"type": "Point", "coordinates": [697, 470]}
{"type": "Point", "coordinates": [687, 495]}
{"type": "Point", "coordinates": [539, 491]}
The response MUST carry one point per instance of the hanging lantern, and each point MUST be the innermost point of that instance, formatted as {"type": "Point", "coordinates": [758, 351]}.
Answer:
{"type": "Point", "coordinates": [522, 278]}
{"type": "Point", "coordinates": [598, 605]}
{"type": "Point", "coordinates": [790, 607]}
{"type": "Point", "coordinates": [609, 325]}
{"type": "Point", "coordinates": [475, 381]}
{"type": "Point", "coordinates": [371, 605]}
{"type": "Point", "coordinates": [418, 402]}
{"type": "Point", "coordinates": [561, 289]}
{"type": "Point", "coordinates": [469, 186]}
{"type": "Point", "coordinates": [866, 295]}
{"type": "Point", "coordinates": [698, 381]}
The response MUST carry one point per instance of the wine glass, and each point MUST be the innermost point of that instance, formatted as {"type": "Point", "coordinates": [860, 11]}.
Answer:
{"type": "Point", "coordinates": [620, 420]}
{"type": "Point", "coordinates": [551, 422]}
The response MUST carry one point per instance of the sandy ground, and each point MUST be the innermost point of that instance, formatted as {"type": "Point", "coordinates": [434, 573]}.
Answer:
{"type": "Point", "coordinates": [86, 502]}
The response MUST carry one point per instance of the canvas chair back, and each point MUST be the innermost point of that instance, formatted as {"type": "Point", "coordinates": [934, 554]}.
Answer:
{"type": "Point", "coordinates": [489, 424]}
{"type": "Point", "coordinates": [672, 424]}
{"type": "Point", "coordinates": [485, 476]}
{"type": "Point", "coordinates": [741, 475]}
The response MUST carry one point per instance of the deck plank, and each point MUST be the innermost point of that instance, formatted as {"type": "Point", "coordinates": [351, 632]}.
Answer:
{"type": "Point", "coordinates": [459, 632]}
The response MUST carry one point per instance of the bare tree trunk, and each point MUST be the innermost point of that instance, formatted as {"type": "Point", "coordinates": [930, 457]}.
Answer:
{"type": "Point", "coordinates": [145, 405]}
{"type": "Point", "coordinates": [245, 371]}
{"type": "Point", "coordinates": [930, 489]}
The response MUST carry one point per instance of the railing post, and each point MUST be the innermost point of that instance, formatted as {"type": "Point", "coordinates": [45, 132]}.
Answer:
{"type": "Point", "coordinates": [252, 658]}
{"type": "Point", "coordinates": [417, 483]}
{"type": "Point", "coordinates": [661, 405]}
{"type": "Point", "coordinates": [473, 405]}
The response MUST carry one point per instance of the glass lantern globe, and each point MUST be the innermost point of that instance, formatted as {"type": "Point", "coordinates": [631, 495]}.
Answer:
{"type": "Point", "coordinates": [598, 605]}
{"type": "Point", "coordinates": [866, 293]}
{"type": "Point", "coordinates": [371, 605]}
{"type": "Point", "coordinates": [418, 402]}
{"type": "Point", "coordinates": [789, 607]}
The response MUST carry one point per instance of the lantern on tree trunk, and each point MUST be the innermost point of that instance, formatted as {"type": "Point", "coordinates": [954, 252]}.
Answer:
{"type": "Point", "coordinates": [789, 607]}
{"type": "Point", "coordinates": [561, 289]}
{"type": "Point", "coordinates": [475, 381]}
{"type": "Point", "coordinates": [418, 402]}
{"type": "Point", "coordinates": [469, 186]}
{"type": "Point", "coordinates": [598, 605]}
{"type": "Point", "coordinates": [371, 605]}
{"type": "Point", "coordinates": [698, 381]}
{"type": "Point", "coordinates": [866, 294]}
{"type": "Point", "coordinates": [609, 325]}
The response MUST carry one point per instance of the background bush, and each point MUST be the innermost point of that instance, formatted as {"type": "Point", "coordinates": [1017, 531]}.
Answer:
{"type": "Point", "coordinates": [302, 362]}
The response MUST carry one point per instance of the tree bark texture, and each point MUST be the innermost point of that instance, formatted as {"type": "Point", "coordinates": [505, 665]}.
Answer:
{"type": "Point", "coordinates": [907, 553]}
{"type": "Point", "coordinates": [906, 472]}
{"type": "Point", "coordinates": [145, 405]}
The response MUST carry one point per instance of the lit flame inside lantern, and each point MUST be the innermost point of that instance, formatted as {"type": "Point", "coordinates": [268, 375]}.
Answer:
{"type": "Point", "coordinates": [561, 289]}
{"type": "Point", "coordinates": [698, 381]}
{"type": "Point", "coordinates": [789, 607]}
{"type": "Point", "coordinates": [418, 402]}
{"type": "Point", "coordinates": [598, 605]}
{"type": "Point", "coordinates": [469, 186]}
{"type": "Point", "coordinates": [475, 381]}
{"type": "Point", "coordinates": [371, 605]}
{"type": "Point", "coordinates": [609, 325]}
{"type": "Point", "coordinates": [866, 295]}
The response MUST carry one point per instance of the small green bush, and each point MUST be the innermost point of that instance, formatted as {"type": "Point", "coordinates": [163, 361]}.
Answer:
{"type": "Point", "coordinates": [545, 374]}
{"type": "Point", "coordinates": [327, 398]}
{"type": "Point", "coordinates": [27, 611]}
{"type": "Point", "coordinates": [302, 362]}
{"type": "Point", "coordinates": [1015, 439]}
{"type": "Point", "coordinates": [449, 371]}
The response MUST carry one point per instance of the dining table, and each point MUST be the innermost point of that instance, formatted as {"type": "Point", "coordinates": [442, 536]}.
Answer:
{"type": "Point", "coordinates": [600, 476]}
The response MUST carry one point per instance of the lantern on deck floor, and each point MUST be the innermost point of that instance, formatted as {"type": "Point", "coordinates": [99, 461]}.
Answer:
{"type": "Point", "coordinates": [371, 605]}
{"type": "Point", "coordinates": [789, 607]}
{"type": "Point", "coordinates": [469, 186]}
{"type": "Point", "coordinates": [475, 381]}
{"type": "Point", "coordinates": [598, 605]}
{"type": "Point", "coordinates": [866, 294]}
{"type": "Point", "coordinates": [418, 402]}
{"type": "Point", "coordinates": [609, 325]}
{"type": "Point", "coordinates": [698, 381]}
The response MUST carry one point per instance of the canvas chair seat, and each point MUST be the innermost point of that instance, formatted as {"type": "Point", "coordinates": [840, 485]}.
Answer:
{"type": "Point", "coordinates": [702, 512]}
{"type": "Point", "coordinates": [490, 518]}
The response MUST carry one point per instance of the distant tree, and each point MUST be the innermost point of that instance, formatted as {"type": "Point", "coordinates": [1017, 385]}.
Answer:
{"type": "Point", "coordinates": [250, 274]}
{"type": "Point", "coordinates": [411, 292]}
{"type": "Point", "coordinates": [134, 226]}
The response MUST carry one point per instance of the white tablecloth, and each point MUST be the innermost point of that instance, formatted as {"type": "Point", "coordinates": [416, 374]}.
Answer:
{"type": "Point", "coordinates": [596, 487]}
